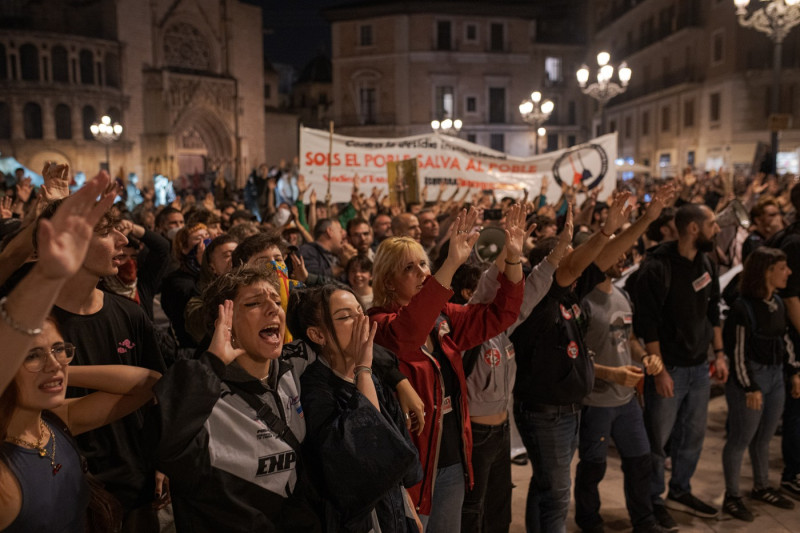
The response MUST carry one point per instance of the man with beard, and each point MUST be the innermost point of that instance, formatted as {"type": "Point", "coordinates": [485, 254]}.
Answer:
{"type": "Point", "coordinates": [677, 315]}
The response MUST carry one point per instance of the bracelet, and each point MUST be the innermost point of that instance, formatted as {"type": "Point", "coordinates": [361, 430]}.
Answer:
{"type": "Point", "coordinates": [360, 370]}
{"type": "Point", "coordinates": [13, 324]}
{"type": "Point", "coordinates": [719, 350]}
{"type": "Point", "coordinates": [603, 231]}
{"type": "Point", "coordinates": [519, 262]}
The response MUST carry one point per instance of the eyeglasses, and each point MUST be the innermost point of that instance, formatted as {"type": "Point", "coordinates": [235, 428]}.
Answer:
{"type": "Point", "coordinates": [36, 360]}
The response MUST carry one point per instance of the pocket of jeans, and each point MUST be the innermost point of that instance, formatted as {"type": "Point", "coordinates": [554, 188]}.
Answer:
{"type": "Point", "coordinates": [480, 436]}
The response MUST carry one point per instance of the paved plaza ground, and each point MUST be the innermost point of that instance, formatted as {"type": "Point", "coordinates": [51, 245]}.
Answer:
{"type": "Point", "coordinates": [707, 484]}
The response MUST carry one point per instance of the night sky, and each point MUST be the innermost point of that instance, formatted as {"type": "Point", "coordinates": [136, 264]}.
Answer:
{"type": "Point", "coordinates": [295, 31]}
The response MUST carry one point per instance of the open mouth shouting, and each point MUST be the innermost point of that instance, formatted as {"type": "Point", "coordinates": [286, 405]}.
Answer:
{"type": "Point", "coordinates": [53, 386]}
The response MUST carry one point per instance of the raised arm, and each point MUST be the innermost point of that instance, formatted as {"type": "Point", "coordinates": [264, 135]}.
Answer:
{"type": "Point", "coordinates": [612, 251]}
{"type": "Point", "coordinates": [63, 243]}
{"type": "Point", "coordinates": [576, 262]}
{"type": "Point", "coordinates": [121, 390]}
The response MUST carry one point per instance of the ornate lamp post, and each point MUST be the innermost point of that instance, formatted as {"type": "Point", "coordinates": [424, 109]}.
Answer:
{"type": "Point", "coordinates": [535, 112]}
{"type": "Point", "coordinates": [447, 126]}
{"type": "Point", "coordinates": [107, 133]}
{"type": "Point", "coordinates": [776, 19]}
{"type": "Point", "coordinates": [604, 89]}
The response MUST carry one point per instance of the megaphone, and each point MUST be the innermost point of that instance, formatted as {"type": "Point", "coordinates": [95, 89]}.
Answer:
{"type": "Point", "coordinates": [489, 244]}
{"type": "Point", "coordinates": [734, 214]}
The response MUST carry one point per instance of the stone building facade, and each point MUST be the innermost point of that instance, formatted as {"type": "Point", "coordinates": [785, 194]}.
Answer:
{"type": "Point", "coordinates": [700, 91]}
{"type": "Point", "coordinates": [185, 78]}
{"type": "Point", "coordinates": [399, 65]}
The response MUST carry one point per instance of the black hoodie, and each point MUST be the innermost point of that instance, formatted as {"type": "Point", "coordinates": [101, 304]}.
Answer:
{"type": "Point", "coordinates": [677, 304]}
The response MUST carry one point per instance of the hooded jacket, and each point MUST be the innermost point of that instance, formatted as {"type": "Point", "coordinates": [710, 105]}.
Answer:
{"type": "Point", "coordinates": [228, 471]}
{"type": "Point", "coordinates": [677, 304]}
{"type": "Point", "coordinates": [404, 330]}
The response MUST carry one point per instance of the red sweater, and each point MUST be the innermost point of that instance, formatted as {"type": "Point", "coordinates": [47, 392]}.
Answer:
{"type": "Point", "coordinates": [404, 330]}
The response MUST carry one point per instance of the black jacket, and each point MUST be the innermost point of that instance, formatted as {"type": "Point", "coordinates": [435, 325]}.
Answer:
{"type": "Point", "coordinates": [677, 304]}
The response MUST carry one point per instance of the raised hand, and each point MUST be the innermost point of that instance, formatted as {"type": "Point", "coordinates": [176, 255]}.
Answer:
{"type": "Point", "coordinates": [24, 189]}
{"type": "Point", "coordinates": [299, 270]}
{"type": "Point", "coordinates": [5, 207]}
{"type": "Point", "coordinates": [359, 349]}
{"type": "Point", "coordinates": [660, 200]}
{"type": "Point", "coordinates": [222, 341]}
{"type": "Point", "coordinates": [516, 232]}
{"type": "Point", "coordinates": [301, 186]}
{"type": "Point", "coordinates": [64, 239]}
{"type": "Point", "coordinates": [618, 212]}
{"type": "Point", "coordinates": [312, 197]}
{"type": "Point", "coordinates": [56, 181]}
{"type": "Point", "coordinates": [462, 239]}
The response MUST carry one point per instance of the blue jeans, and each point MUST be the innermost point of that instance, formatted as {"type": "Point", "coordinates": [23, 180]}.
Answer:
{"type": "Point", "coordinates": [790, 441]}
{"type": "Point", "coordinates": [626, 426]}
{"type": "Point", "coordinates": [551, 439]}
{"type": "Point", "coordinates": [487, 507]}
{"type": "Point", "coordinates": [748, 427]}
{"type": "Point", "coordinates": [448, 498]}
{"type": "Point", "coordinates": [687, 413]}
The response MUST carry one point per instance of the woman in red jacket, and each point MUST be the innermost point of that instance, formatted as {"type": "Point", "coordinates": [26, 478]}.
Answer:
{"type": "Point", "coordinates": [428, 335]}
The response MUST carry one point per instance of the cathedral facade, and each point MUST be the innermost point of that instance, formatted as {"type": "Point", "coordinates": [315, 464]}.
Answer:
{"type": "Point", "coordinates": [183, 77]}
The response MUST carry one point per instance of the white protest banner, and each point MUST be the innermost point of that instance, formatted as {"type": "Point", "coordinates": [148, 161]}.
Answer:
{"type": "Point", "coordinates": [453, 161]}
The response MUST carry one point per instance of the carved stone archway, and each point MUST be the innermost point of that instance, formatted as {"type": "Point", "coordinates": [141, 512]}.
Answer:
{"type": "Point", "coordinates": [203, 143]}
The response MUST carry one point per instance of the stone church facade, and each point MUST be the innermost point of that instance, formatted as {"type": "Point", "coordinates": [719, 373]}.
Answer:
{"type": "Point", "coordinates": [183, 77]}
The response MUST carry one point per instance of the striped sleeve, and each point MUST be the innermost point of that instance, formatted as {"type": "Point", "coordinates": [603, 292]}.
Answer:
{"type": "Point", "coordinates": [736, 336]}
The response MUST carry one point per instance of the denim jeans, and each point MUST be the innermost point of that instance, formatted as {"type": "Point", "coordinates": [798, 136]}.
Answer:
{"type": "Point", "coordinates": [551, 440]}
{"type": "Point", "coordinates": [749, 427]}
{"type": "Point", "coordinates": [686, 413]}
{"type": "Point", "coordinates": [626, 426]}
{"type": "Point", "coordinates": [487, 507]}
{"type": "Point", "coordinates": [790, 441]}
{"type": "Point", "coordinates": [448, 498]}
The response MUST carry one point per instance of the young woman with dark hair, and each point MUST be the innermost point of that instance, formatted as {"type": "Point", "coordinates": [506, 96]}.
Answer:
{"type": "Point", "coordinates": [755, 334]}
{"type": "Point", "coordinates": [42, 476]}
{"type": "Point", "coordinates": [362, 479]}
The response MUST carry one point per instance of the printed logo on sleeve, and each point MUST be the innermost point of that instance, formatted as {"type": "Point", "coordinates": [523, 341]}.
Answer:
{"type": "Point", "coordinates": [701, 282]}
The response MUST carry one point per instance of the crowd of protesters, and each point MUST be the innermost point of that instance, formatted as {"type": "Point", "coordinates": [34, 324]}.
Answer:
{"type": "Point", "coordinates": [265, 360]}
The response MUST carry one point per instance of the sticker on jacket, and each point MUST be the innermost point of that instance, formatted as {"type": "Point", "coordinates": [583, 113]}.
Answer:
{"type": "Point", "coordinates": [492, 357]}
{"type": "Point", "coordinates": [701, 282]}
{"type": "Point", "coordinates": [572, 350]}
{"type": "Point", "coordinates": [566, 313]}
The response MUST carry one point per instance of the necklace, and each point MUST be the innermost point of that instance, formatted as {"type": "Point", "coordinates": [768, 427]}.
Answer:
{"type": "Point", "coordinates": [43, 428]}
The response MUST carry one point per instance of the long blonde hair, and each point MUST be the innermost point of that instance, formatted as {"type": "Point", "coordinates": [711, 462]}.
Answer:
{"type": "Point", "coordinates": [389, 260]}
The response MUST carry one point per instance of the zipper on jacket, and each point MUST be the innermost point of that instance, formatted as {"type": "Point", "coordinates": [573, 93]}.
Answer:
{"type": "Point", "coordinates": [439, 419]}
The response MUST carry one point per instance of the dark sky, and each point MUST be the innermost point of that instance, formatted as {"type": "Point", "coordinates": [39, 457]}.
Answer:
{"type": "Point", "coordinates": [295, 30]}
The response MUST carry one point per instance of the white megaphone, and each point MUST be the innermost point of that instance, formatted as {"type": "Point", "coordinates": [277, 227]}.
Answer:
{"type": "Point", "coordinates": [734, 214]}
{"type": "Point", "coordinates": [489, 244]}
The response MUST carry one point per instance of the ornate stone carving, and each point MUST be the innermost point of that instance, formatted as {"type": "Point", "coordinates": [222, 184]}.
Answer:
{"type": "Point", "coordinates": [185, 47]}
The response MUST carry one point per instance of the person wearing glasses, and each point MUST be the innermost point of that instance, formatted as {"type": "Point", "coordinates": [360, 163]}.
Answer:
{"type": "Point", "coordinates": [42, 477]}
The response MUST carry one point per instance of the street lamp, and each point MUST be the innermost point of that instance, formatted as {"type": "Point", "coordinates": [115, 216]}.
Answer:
{"type": "Point", "coordinates": [107, 133]}
{"type": "Point", "coordinates": [776, 19]}
{"type": "Point", "coordinates": [535, 112]}
{"type": "Point", "coordinates": [604, 89]}
{"type": "Point", "coordinates": [447, 126]}
{"type": "Point", "coordinates": [540, 133]}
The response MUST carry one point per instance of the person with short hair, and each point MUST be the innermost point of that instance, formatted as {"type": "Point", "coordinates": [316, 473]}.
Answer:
{"type": "Point", "coordinates": [359, 234]}
{"type": "Point", "coordinates": [677, 314]}
{"type": "Point", "coordinates": [406, 225]}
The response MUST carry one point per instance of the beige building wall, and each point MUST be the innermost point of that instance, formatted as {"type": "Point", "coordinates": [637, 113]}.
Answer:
{"type": "Point", "coordinates": [704, 71]}
{"type": "Point", "coordinates": [404, 65]}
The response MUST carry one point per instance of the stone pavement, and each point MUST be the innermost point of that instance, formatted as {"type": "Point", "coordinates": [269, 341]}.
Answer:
{"type": "Point", "coordinates": [707, 484]}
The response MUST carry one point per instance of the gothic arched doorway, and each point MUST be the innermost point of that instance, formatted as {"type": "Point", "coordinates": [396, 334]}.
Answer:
{"type": "Point", "coordinates": [203, 146]}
